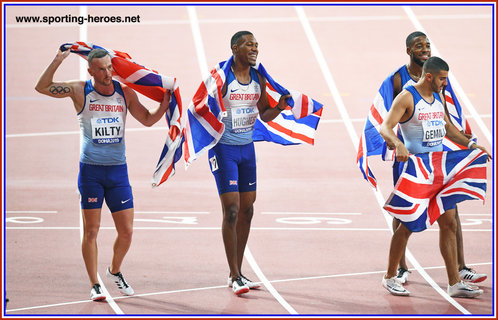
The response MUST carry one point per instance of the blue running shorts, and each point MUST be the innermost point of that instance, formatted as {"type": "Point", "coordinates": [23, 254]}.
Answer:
{"type": "Point", "coordinates": [233, 167]}
{"type": "Point", "coordinates": [111, 183]}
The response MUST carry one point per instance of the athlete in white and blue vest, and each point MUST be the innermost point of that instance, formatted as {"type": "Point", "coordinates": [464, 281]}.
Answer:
{"type": "Point", "coordinates": [425, 129]}
{"type": "Point", "coordinates": [418, 48]}
{"type": "Point", "coordinates": [419, 110]}
{"type": "Point", "coordinates": [232, 160]}
{"type": "Point", "coordinates": [102, 105]}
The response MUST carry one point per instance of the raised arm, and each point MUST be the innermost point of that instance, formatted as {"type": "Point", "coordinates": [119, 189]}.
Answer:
{"type": "Point", "coordinates": [142, 114]}
{"type": "Point", "coordinates": [56, 89]}
{"type": "Point", "coordinates": [401, 110]}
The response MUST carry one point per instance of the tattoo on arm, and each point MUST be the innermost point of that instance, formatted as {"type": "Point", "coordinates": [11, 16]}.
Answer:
{"type": "Point", "coordinates": [55, 90]}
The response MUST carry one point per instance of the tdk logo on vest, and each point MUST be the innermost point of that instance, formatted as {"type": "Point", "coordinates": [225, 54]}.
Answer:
{"type": "Point", "coordinates": [107, 120]}
{"type": "Point", "coordinates": [244, 111]}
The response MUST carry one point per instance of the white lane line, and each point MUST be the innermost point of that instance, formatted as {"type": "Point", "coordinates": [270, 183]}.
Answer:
{"type": "Point", "coordinates": [354, 138]}
{"type": "Point", "coordinates": [159, 128]}
{"type": "Point", "coordinates": [199, 46]}
{"type": "Point", "coordinates": [201, 57]}
{"type": "Point", "coordinates": [83, 33]}
{"type": "Point", "coordinates": [108, 296]}
{"type": "Point", "coordinates": [29, 212]}
{"type": "Point", "coordinates": [252, 228]}
{"type": "Point", "coordinates": [328, 76]}
{"type": "Point", "coordinates": [312, 213]}
{"type": "Point", "coordinates": [172, 212]}
{"type": "Point", "coordinates": [224, 286]}
{"type": "Point", "coordinates": [456, 85]}
{"type": "Point", "coordinates": [252, 262]}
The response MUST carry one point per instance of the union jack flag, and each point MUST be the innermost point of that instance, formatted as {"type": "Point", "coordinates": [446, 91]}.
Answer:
{"type": "Point", "coordinates": [431, 183]}
{"type": "Point", "coordinates": [372, 143]}
{"type": "Point", "coordinates": [152, 85]}
{"type": "Point", "coordinates": [204, 128]}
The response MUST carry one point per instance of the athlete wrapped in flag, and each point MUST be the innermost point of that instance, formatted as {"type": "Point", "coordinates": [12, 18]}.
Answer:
{"type": "Point", "coordinates": [418, 48]}
{"type": "Point", "coordinates": [433, 180]}
{"type": "Point", "coordinates": [371, 143]}
{"type": "Point", "coordinates": [295, 125]}
{"type": "Point", "coordinates": [152, 85]}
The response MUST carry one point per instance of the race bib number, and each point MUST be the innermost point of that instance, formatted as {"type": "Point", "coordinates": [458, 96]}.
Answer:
{"type": "Point", "coordinates": [107, 130]}
{"type": "Point", "coordinates": [214, 163]}
{"type": "Point", "coordinates": [434, 132]}
{"type": "Point", "coordinates": [243, 118]}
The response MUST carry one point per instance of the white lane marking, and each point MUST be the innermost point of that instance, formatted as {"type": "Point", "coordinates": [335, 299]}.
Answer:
{"type": "Point", "coordinates": [172, 212]}
{"type": "Point", "coordinates": [313, 213]}
{"type": "Point", "coordinates": [259, 273]}
{"type": "Point", "coordinates": [159, 128]}
{"type": "Point", "coordinates": [28, 212]}
{"type": "Point", "coordinates": [252, 228]}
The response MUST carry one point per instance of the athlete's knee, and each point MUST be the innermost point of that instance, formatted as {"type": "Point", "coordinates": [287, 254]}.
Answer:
{"type": "Point", "coordinates": [230, 213]}
{"type": "Point", "coordinates": [125, 234]}
{"type": "Point", "coordinates": [447, 221]}
{"type": "Point", "coordinates": [449, 225]}
{"type": "Point", "coordinates": [247, 214]}
{"type": "Point", "coordinates": [90, 233]}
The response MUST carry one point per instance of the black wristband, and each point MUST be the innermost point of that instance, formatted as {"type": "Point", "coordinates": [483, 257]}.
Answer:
{"type": "Point", "coordinates": [280, 109]}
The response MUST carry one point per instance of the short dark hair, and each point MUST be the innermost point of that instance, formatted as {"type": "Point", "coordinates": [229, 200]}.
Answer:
{"type": "Point", "coordinates": [96, 53]}
{"type": "Point", "coordinates": [435, 65]}
{"type": "Point", "coordinates": [236, 37]}
{"type": "Point", "coordinates": [412, 36]}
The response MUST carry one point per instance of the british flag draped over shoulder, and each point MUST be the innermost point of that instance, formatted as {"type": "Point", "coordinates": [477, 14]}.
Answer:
{"type": "Point", "coordinates": [372, 143]}
{"type": "Point", "coordinates": [433, 182]}
{"type": "Point", "coordinates": [152, 85]}
{"type": "Point", "coordinates": [204, 128]}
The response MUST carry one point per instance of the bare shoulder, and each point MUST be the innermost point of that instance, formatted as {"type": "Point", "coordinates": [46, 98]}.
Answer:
{"type": "Point", "coordinates": [403, 100]}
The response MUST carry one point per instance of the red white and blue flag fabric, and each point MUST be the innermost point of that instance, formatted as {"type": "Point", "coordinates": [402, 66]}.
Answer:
{"type": "Point", "coordinates": [204, 128]}
{"type": "Point", "coordinates": [372, 143]}
{"type": "Point", "coordinates": [152, 85]}
{"type": "Point", "coordinates": [431, 183]}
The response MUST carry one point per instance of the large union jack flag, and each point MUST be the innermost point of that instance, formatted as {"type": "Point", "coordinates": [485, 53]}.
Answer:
{"type": "Point", "coordinates": [434, 182]}
{"type": "Point", "coordinates": [204, 128]}
{"type": "Point", "coordinates": [372, 143]}
{"type": "Point", "coordinates": [152, 85]}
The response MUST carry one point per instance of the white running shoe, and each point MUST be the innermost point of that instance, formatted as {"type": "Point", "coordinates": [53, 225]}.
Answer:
{"type": "Point", "coordinates": [394, 286]}
{"type": "Point", "coordinates": [96, 293]}
{"type": "Point", "coordinates": [402, 275]}
{"type": "Point", "coordinates": [467, 274]}
{"type": "Point", "coordinates": [246, 281]}
{"type": "Point", "coordinates": [119, 280]}
{"type": "Point", "coordinates": [463, 290]}
{"type": "Point", "coordinates": [239, 287]}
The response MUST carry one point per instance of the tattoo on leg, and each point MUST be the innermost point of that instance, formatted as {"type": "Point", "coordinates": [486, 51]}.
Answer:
{"type": "Point", "coordinates": [59, 90]}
